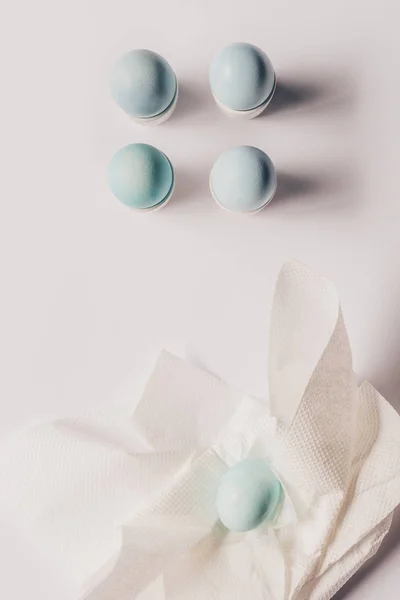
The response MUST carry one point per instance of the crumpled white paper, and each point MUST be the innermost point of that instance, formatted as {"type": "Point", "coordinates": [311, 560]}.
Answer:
{"type": "Point", "coordinates": [129, 499]}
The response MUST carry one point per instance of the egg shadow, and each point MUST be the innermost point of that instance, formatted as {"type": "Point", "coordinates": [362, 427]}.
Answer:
{"type": "Point", "coordinates": [192, 99]}
{"type": "Point", "coordinates": [191, 189]}
{"type": "Point", "coordinates": [292, 185]}
{"type": "Point", "coordinates": [304, 192]}
{"type": "Point", "coordinates": [294, 93]}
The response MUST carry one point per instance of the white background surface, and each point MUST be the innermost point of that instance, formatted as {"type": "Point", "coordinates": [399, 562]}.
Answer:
{"type": "Point", "coordinates": [91, 291]}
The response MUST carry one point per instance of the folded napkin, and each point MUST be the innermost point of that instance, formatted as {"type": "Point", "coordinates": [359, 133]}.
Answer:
{"type": "Point", "coordinates": [126, 498]}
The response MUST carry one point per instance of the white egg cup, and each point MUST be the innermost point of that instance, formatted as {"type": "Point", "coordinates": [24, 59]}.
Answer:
{"type": "Point", "coordinates": [247, 212]}
{"type": "Point", "coordinates": [246, 114]}
{"type": "Point", "coordinates": [160, 118]}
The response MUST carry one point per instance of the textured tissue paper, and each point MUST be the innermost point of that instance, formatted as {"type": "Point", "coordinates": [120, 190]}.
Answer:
{"type": "Point", "coordinates": [126, 499]}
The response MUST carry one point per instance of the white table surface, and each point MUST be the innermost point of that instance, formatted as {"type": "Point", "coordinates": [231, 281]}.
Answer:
{"type": "Point", "coordinates": [91, 291]}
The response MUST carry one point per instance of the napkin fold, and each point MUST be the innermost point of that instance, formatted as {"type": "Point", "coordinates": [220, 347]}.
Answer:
{"type": "Point", "coordinates": [128, 499]}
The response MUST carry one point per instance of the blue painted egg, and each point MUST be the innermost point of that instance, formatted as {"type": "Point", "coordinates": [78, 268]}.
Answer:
{"type": "Point", "coordinates": [242, 77]}
{"type": "Point", "coordinates": [143, 84]}
{"type": "Point", "coordinates": [141, 176]}
{"type": "Point", "coordinates": [249, 494]}
{"type": "Point", "coordinates": [243, 179]}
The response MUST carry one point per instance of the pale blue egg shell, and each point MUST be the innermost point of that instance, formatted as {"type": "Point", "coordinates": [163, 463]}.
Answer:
{"type": "Point", "coordinates": [142, 83]}
{"type": "Point", "coordinates": [242, 76]}
{"type": "Point", "coordinates": [249, 494]}
{"type": "Point", "coordinates": [243, 179]}
{"type": "Point", "coordinates": [140, 176]}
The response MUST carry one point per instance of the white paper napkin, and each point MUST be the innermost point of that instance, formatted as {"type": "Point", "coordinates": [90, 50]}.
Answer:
{"type": "Point", "coordinates": [127, 500]}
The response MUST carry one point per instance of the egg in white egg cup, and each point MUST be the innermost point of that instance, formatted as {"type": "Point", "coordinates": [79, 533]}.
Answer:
{"type": "Point", "coordinates": [158, 206]}
{"type": "Point", "coordinates": [244, 212]}
{"type": "Point", "coordinates": [160, 118]}
{"type": "Point", "coordinates": [246, 114]}
{"type": "Point", "coordinates": [164, 201]}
